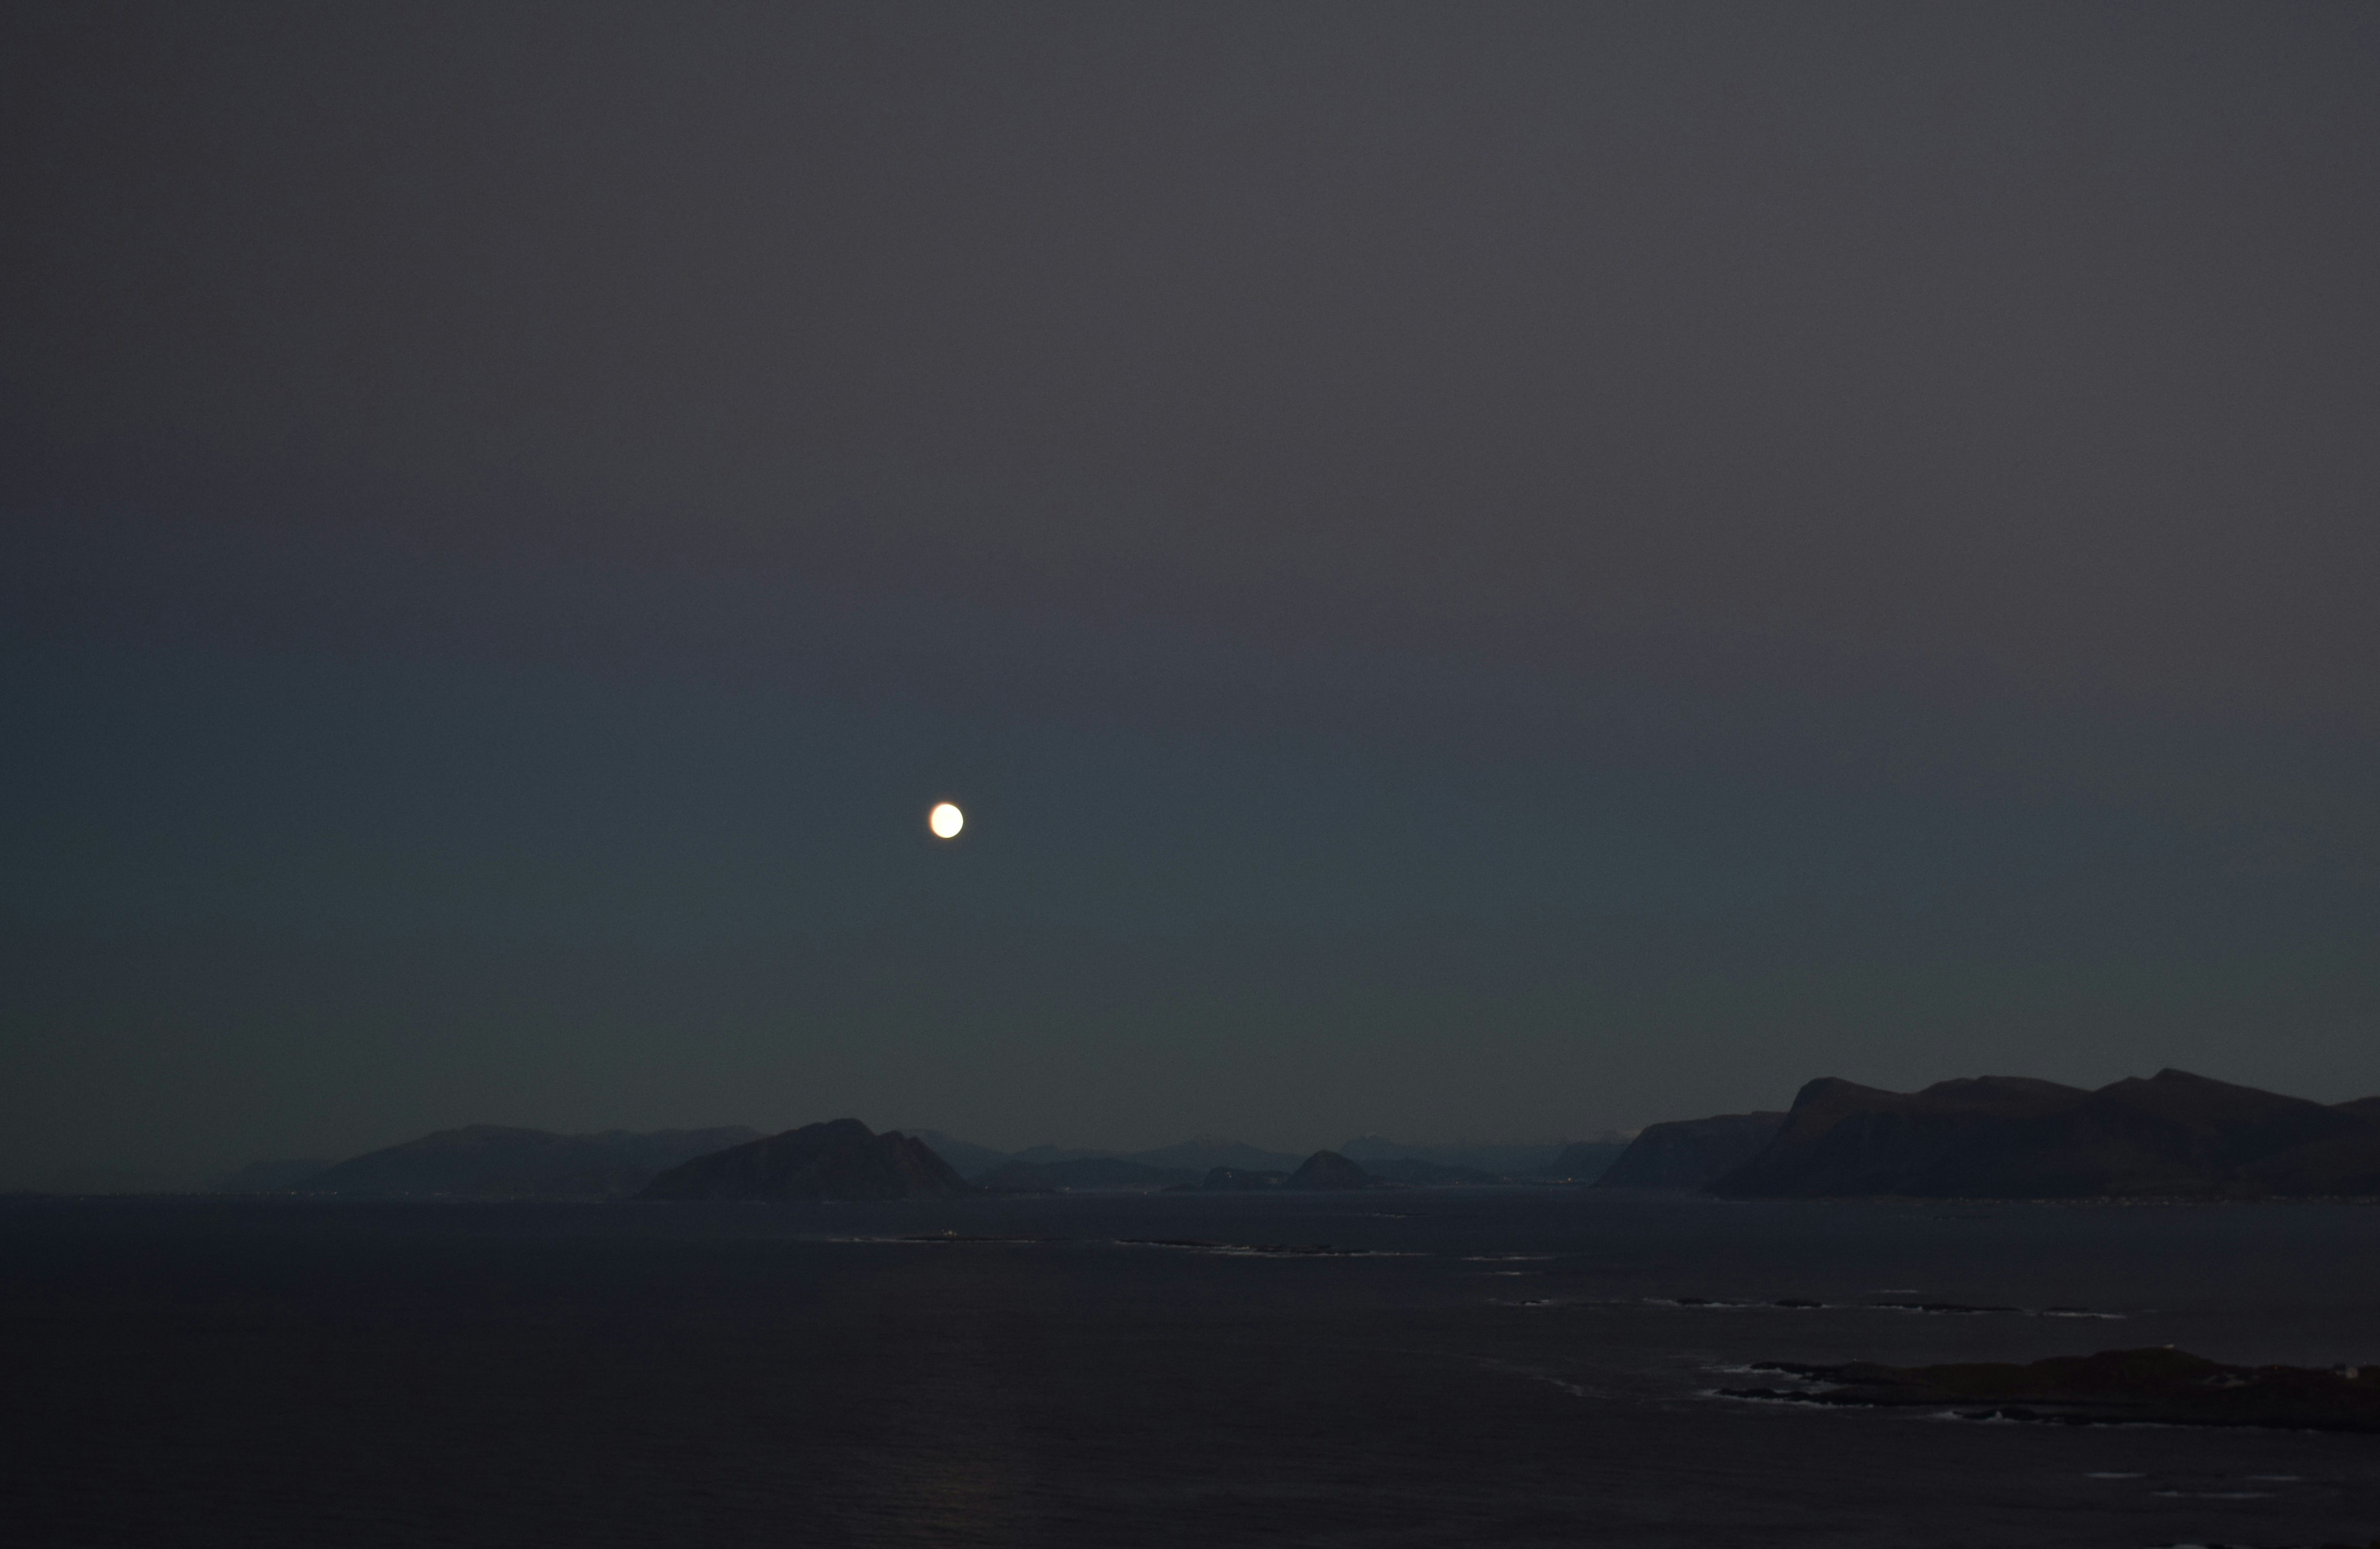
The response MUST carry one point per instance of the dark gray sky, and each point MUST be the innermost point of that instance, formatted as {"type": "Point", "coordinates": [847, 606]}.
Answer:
{"type": "Point", "coordinates": [1496, 570]}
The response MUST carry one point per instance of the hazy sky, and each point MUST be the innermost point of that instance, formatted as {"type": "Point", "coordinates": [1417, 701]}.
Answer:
{"type": "Point", "coordinates": [1491, 570]}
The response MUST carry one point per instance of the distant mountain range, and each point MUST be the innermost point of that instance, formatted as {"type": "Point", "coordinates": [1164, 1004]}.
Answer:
{"type": "Point", "coordinates": [1330, 1169]}
{"type": "Point", "coordinates": [1495, 1161]}
{"type": "Point", "coordinates": [1041, 1168]}
{"type": "Point", "coordinates": [496, 1162]}
{"type": "Point", "coordinates": [2172, 1135]}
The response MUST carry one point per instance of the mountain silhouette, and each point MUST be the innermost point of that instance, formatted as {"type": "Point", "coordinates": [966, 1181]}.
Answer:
{"type": "Point", "coordinates": [498, 1162]}
{"type": "Point", "coordinates": [2173, 1135]}
{"type": "Point", "coordinates": [1691, 1152]}
{"type": "Point", "coordinates": [842, 1159]}
{"type": "Point", "coordinates": [1328, 1170]}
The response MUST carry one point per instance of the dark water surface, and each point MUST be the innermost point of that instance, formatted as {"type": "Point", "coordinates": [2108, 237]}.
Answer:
{"type": "Point", "coordinates": [1468, 1366]}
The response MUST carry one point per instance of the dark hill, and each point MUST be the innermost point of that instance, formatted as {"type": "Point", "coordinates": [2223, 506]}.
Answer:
{"type": "Point", "coordinates": [1691, 1152]}
{"type": "Point", "coordinates": [1328, 1170]}
{"type": "Point", "coordinates": [496, 1162]}
{"type": "Point", "coordinates": [839, 1159]}
{"type": "Point", "coordinates": [1841, 1138]}
{"type": "Point", "coordinates": [2174, 1135]}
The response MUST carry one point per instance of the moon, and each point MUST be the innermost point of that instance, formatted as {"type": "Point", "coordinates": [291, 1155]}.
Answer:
{"type": "Point", "coordinates": [945, 820]}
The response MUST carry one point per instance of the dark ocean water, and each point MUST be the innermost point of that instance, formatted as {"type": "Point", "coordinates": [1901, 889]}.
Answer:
{"type": "Point", "coordinates": [1471, 1366]}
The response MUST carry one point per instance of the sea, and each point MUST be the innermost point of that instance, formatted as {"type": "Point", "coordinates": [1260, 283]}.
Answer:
{"type": "Point", "coordinates": [1508, 1366]}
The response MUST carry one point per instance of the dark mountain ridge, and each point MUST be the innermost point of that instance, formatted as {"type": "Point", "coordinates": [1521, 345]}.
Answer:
{"type": "Point", "coordinates": [2173, 1135]}
{"type": "Point", "coordinates": [1328, 1170]}
{"type": "Point", "coordinates": [1690, 1152]}
{"type": "Point", "coordinates": [500, 1162]}
{"type": "Point", "coordinates": [842, 1159]}
{"type": "Point", "coordinates": [1324, 1169]}
{"type": "Point", "coordinates": [1186, 1158]}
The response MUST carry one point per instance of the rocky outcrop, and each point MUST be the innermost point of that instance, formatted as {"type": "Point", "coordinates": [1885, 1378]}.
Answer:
{"type": "Point", "coordinates": [2174, 1135]}
{"type": "Point", "coordinates": [839, 1159]}
{"type": "Point", "coordinates": [2162, 1386]}
{"type": "Point", "coordinates": [1691, 1152]}
{"type": "Point", "coordinates": [498, 1162]}
{"type": "Point", "coordinates": [1328, 1170]}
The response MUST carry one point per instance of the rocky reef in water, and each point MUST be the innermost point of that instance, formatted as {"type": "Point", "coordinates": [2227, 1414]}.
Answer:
{"type": "Point", "coordinates": [2146, 1386]}
{"type": "Point", "coordinates": [839, 1159]}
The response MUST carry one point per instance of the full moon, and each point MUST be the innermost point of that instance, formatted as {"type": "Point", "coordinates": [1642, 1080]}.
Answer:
{"type": "Point", "coordinates": [945, 821]}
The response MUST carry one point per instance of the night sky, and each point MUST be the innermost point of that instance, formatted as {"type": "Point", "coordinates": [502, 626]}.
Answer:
{"type": "Point", "coordinates": [1494, 570]}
